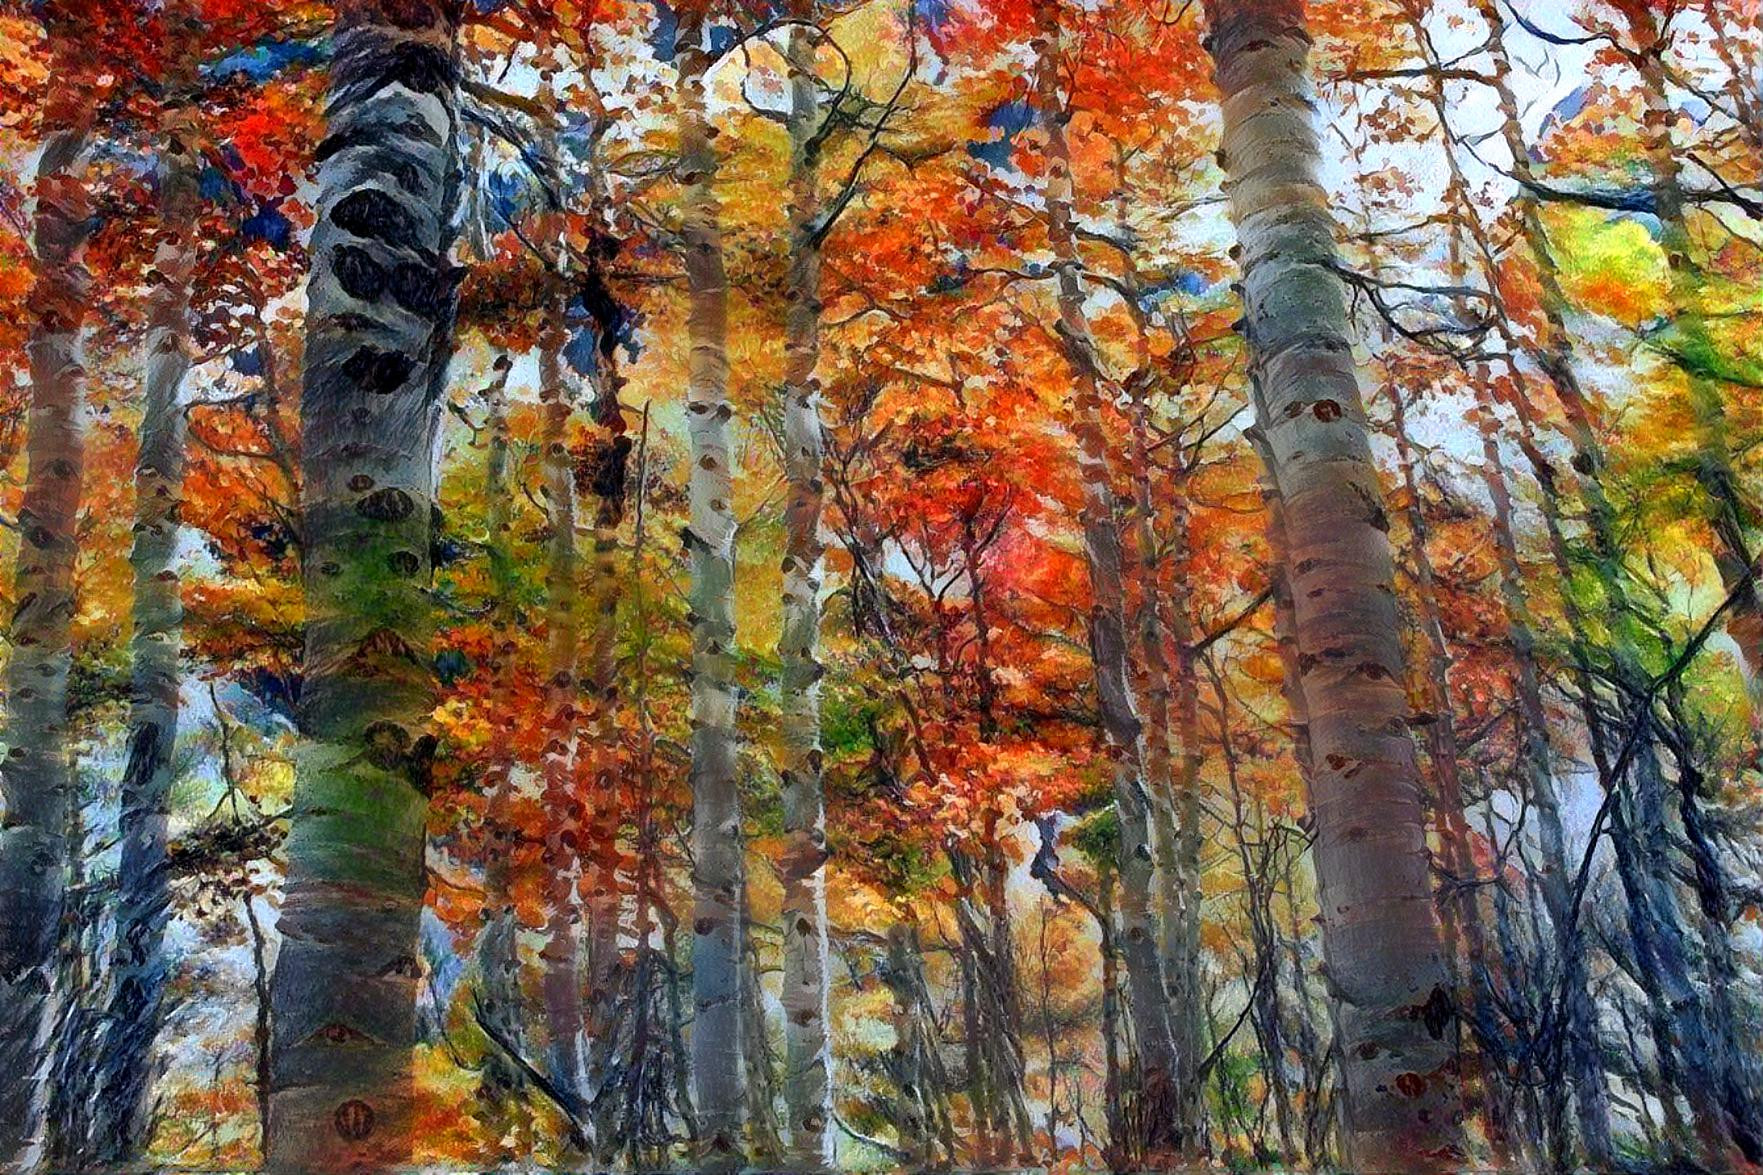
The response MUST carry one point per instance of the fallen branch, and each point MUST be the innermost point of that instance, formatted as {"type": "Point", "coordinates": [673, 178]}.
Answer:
{"type": "Point", "coordinates": [578, 1134]}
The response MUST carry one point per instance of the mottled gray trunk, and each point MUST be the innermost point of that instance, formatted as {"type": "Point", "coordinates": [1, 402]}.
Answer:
{"type": "Point", "coordinates": [143, 891]}
{"type": "Point", "coordinates": [1160, 1100]}
{"type": "Point", "coordinates": [36, 777]}
{"type": "Point", "coordinates": [1399, 1100]}
{"type": "Point", "coordinates": [502, 1108]}
{"type": "Point", "coordinates": [719, 878]}
{"type": "Point", "coordinates": [1460, 905]}
{"type": "Point", "coordinates": [379, 337]}
{"type": "Point", "coordinates": [807, 1040]}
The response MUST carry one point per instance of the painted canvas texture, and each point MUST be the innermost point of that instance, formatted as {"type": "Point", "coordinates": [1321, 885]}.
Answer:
{"type": "Point", "coordinates": [881, 585]}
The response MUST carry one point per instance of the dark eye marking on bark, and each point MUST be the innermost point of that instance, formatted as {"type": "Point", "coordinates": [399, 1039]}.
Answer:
{"type": "Point", "coordinates": [353, 1120]}
{"type": "Point", "coordinates": [407, 169]}
{"type": "Point", "coordinates": [420, 290]}
{"type": "Point", "coordinates": [358, 273]}
{"type": "Point", "coordinates": [1326, 410]}
{"type": "Point", "coordinates": [386, 505]}
{"type": "Point", "coordinates": [404, 562]}
{"type": "Point", "coordinates": [371, 62]}
{"type": "Point", "coordinates": [337, 1032]}
{"type": "Point", "coordinates": [1438, 1012]}
{"type": "Point", "coordinates": [412, 126]}
{"type": "Point", "coordinates": [372, 214]}
{"type": "Point", "coordinates": [377, 371]}
{"type": "Point", "coordinates": [403, 966]}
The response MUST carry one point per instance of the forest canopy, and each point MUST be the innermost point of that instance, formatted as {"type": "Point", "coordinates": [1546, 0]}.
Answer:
{"type": "Point", "coordinates": [817, 585]}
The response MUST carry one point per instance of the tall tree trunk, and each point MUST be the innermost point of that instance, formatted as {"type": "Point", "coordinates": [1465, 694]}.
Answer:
{"type": "Point", "coordinates": [807, 1041]}
{"type": "Point", "coordinates": [563, 803]}
{"type": "Point", "coordinates": [501, 1085]}
{"type": "Point", "coordinates": [143, 890]}
{"type": "Point", "coordinates": [1399, 1101]}
{"type": "Point", "coordinates": [1161, 1100]}
{"type": "Point", "coordinates": [606, 481]}
{"type": "Point", "coordinates": [36, 777]}
{"type": "Point", "coordinates": [1584, 1057]}
{"type": "Point", "coordinates": [1187, 995]}
{"type": "Point", "coordinates": [379, 337]}
{"type": "Point", "coordinates": [68, 1119]}
{"type": "Point", "coordinates": [1119, 1147]}
{"type": "Point", "coordinates": [719, 875]}
{"type": "Point", "coordinates": [902, 973]}
{"type": "Point", "coordinates": [1460, 906]}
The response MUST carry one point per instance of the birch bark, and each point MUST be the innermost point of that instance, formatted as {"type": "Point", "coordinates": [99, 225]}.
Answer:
{"type": "Point", "coordinates": [1399, 1098]}
{"type": "Point", "coordinates": [379, 337]}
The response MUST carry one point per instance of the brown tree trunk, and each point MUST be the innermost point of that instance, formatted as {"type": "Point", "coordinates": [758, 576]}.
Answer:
{"type": "Point", "coordinates": [1148, 1006]}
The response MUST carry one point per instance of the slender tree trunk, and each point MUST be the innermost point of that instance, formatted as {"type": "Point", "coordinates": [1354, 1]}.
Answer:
{"type": "Point", "coordinates": [563, 804]}
{"type": "Point", "coordinates": [1676, 1010]}
{"type": "Point", "coordinates": [144, 898]}
{"type": "Point", "coordinates": [1149, 1004]}
{"type": "Point", "coordinates": [719, 876]}
{"type": "Point", "coordinates": [502, 1085]}
{"type": "Point", "coordinates": [807, 1042]}
{"type": "Point", "coordinates": [379, 337]}
{"type": "Point", "coordinates": [1732, 517]}
{"type": "Point", "coordinates": [36, 777]}
{"type": "Point", "coordinates": [1187, 995]}
{"type": "Point", "coordinates": [68, 1119]}
{"type": "Point", "coordinates": [979, 1096]}
{"type": "Point", "coordinates": [1460, 905]}
{"type": "Point", "coordinates": [1006, 1005]}
{"type": "Point", "coordinates": [1584, 1057]}
{"type": "Point", "coordinates": [1111, 1100]}
{"type": "Point", "coordinates": [1399, 1101]}
{"type": "Point", "coordinates": [262, 1031]}
{"type": "Point", "coordinates": [906, 1059]}
{"type": "Point", "coordinates": [765, 1146]}
{"type": "Point", "coordinates": [606, 480]}
{"type": "Point", "coordinates": [1153, 663]}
